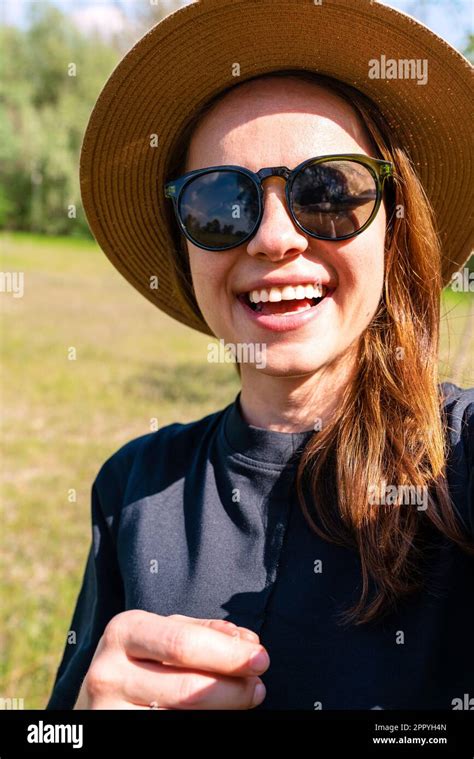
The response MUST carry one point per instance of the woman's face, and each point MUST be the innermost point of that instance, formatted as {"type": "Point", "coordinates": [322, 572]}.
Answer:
{"type": "Point", "coordinates": [282, 123]}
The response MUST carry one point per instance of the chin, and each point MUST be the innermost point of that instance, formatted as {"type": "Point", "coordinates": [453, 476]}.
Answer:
{"type": "Point", "coordinates": [290, 365]}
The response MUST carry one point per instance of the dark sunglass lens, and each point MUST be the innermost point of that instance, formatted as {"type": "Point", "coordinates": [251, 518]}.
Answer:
{"type": "Point", "coordinates": [219, 209]}
{"type": "Point", "coordinates": [334, 198]}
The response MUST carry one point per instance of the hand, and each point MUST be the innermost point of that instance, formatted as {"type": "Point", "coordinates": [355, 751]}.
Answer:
{"type": "Point", "coordinates": [174, 662]}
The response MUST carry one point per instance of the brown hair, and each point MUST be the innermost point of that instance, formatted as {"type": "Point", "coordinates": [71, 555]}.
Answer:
{"type": "Point", "coordinates": [389, 427]}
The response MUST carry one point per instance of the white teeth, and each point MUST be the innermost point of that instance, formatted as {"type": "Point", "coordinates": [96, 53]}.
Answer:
{"type": "Point", "coordinates": [287, 292]}
{"type": "Point", "coordinates": [300, 292]}
{"type": "Point", "coordinates": [275, 295]}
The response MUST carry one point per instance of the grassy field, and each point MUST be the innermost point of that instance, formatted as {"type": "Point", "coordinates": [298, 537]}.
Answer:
{"type": "Point", "coordinates": [62, 419]}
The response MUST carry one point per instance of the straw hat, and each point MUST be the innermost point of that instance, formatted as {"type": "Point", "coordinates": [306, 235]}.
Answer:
{"type": "Point", "coordinates": [187, 58]}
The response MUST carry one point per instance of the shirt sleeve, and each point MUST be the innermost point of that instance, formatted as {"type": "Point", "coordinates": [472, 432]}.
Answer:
{"type": "Point", "coordinates": [468, 433]}
{"type": "Point", "coordinates": [100, 598]}
{"type": "Point", "coordinates": [460, 470]}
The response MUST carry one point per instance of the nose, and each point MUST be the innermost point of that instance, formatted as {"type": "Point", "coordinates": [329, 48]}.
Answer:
{"type": "Point", "coordinates": [277, 237]}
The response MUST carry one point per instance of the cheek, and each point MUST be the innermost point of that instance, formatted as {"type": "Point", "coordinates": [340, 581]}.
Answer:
{"type": "Point", "coordinates": [361, 274]}
{"type": "Point", "coordinates": [209, 272]}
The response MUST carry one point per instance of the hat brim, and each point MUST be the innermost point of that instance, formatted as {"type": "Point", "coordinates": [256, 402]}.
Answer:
{"type": "Point", "coordinates": [187, 58]}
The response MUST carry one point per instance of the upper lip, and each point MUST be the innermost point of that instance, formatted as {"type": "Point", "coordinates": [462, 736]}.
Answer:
{"type": "Point", "coordinates": [267, 284]}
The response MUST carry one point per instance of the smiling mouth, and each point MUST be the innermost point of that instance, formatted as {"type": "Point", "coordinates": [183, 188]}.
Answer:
{"type": "Point", "coordinates": [285, 301]}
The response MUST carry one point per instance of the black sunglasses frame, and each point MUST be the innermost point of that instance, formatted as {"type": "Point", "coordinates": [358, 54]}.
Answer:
{"type": "Point", "coordinates": [379, 169]}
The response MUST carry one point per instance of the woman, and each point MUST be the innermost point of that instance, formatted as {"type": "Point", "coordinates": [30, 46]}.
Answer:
{"type": "Point", "coordinates": [310, 545]}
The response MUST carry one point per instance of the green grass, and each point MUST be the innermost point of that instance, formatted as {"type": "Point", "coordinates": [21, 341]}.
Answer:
{"type": "Point", "coordinates": [62, 419]}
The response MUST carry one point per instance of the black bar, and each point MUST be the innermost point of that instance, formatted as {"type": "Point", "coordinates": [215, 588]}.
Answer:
{"type": "Point", "coordinates": [326, 734]}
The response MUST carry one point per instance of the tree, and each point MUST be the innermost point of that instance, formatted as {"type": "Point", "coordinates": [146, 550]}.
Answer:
{"type": "Point", "coordinates": [52, 75]}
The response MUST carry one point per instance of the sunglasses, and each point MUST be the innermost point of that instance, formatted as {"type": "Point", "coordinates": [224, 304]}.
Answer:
{"type": "Point", "coordinates": [331, 197]}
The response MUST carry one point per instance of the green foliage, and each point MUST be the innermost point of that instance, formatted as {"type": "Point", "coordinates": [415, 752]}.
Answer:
{"type": "Point", "coordinates": [469, 48]}
{"type": "Point", "coordinates": [46, 110]}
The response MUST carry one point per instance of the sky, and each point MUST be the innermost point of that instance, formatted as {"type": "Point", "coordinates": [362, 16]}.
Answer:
{"type": "Point", "coordinates": [450, 19]}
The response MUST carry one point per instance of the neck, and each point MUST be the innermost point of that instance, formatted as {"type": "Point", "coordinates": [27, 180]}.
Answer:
{"type": "Point", "coordinates": [293, 404]}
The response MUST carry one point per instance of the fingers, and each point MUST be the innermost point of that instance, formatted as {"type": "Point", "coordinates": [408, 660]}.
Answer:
{"type": "Point", "coordinates": [224, 625]}
{"type": "Point", "coordinates": [114, 703]}
{"type": "Point", "coordinates": [175, 662]}
{"type": "Point", "coordinates": [174, 688]}
{"type": "Point", "coordinates": [184, 643]}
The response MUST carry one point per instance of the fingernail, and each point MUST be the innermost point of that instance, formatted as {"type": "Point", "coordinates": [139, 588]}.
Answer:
{"type": "Point", "coordinates": [259, 694]}
{"type": "Point", "coordinates": [248, 635]}
{"type": "Point", "coordinates": [259, 661]}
